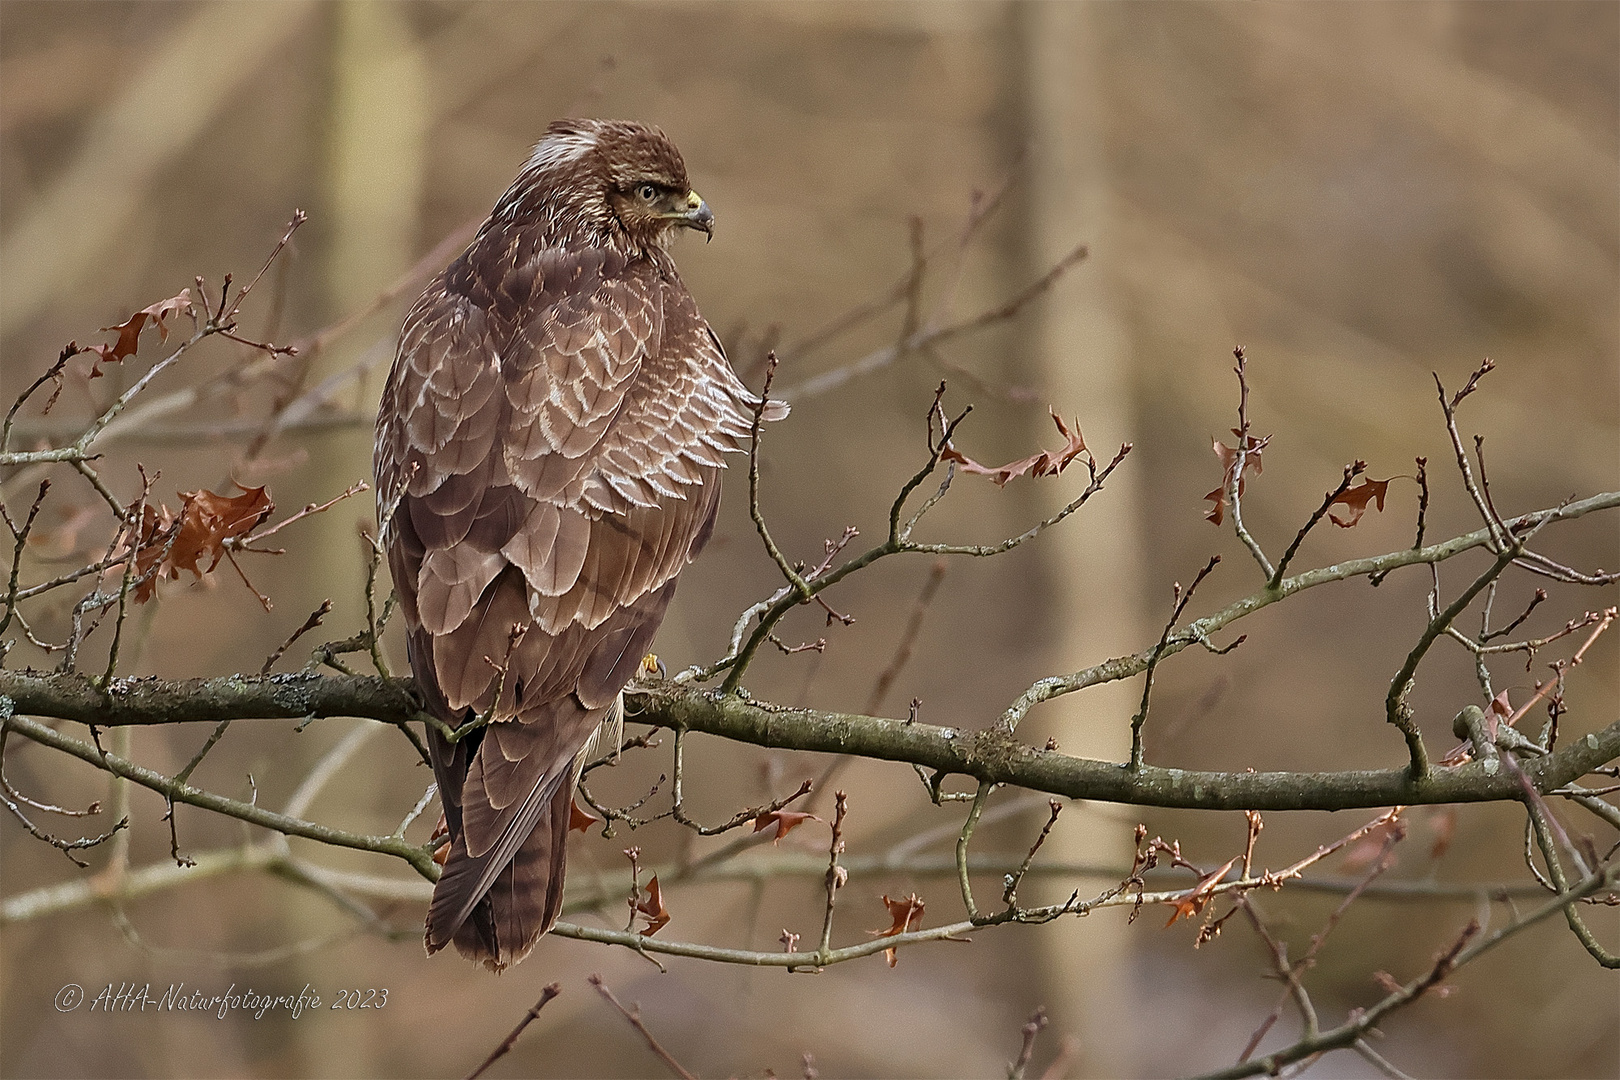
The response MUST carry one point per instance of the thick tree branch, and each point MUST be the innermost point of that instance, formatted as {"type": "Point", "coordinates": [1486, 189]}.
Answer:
{"type": "Point", "coordinates": [990, 756]}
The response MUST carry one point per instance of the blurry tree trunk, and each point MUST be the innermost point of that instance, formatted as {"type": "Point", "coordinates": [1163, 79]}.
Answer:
{"type": "Point", "coordinates": [376, 150]}
{"type": "Point", "coordinates": [376, 141]}
{"type": "Point", "coordinates": [1095, 565]}
{"type": "Point", "coordinates": [376, 131]}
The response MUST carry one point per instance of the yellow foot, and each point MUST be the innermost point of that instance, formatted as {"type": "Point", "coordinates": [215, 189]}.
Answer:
{"type": "Point", "coordinates": [651, 665]}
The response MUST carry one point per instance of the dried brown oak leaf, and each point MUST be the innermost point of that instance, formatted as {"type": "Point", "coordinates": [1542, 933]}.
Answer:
{"type": "Point", "coordinates": [580, 819]}
{"type": "Point", "coordinates": [197, 535]}
{"type": "Point", "coordinates": [784, 820]}
{"type": "Point", "coordinates": [652, 908]}
{"type": "Point", "coordinates": [1201, 894]}
{"type": "Point", "coordinates": [1253, 448]}
{"type": "Point", "coordinates": [904, 912]}
{"type": "Point", "coordinates": [129, 332]}
{"type": "Point", "coordinates": [1045, 463]}
{"type": "Point", "coordinates": [1355, 502]}
{"type": "Point", "coordinates": [208, 520]}
{"type": "Point", "coordinates": [156, 526]}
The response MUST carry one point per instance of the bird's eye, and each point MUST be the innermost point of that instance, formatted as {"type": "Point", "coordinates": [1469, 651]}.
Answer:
{"type": "Point", "coordinates": [647, 192]}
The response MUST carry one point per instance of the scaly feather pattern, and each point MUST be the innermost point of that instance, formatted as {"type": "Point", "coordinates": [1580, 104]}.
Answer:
{"type": "Point", "coordinates": [550, 439]}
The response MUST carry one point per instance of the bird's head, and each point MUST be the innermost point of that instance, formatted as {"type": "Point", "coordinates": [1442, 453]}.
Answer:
{"type": "Point", "coordinates": [614, 182]}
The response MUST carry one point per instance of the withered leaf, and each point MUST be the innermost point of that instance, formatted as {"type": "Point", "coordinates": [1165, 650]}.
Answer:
{"type": "Point", "coordinates": [904, 912]}
{"type": "Point", "coordinates": [1200, 895]}
{"type": "Point", "coordinates": [1254, 447]}
{"type": "Point", "coordinates": [1045, 463]}
{"type": "Point", "coordinates": [784, 820]}
{"type": "Point", "coordinates": [129, 331]}
{"type": "Point", "coordinates": [208, 520]}
{"type": "Point", "coordinates": [197, 535]}
{"type": "Point", "coordinates": [151, 537]}
{"type": "Point", "coordinates": [580, 819]}
{"type": "Point", "coordinates": [164, 308]}
{"type": "Point", "coordinates": [1355, 502]}
{"type": "Point", "coordinates": [652, 907]}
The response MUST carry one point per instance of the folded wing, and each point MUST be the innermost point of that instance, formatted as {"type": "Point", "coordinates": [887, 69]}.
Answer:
{"type": "Point", "coordinates": [549, 443]}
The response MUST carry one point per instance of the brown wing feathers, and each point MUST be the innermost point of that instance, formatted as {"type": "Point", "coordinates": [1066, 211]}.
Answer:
{"type": "Point", "coordinates": [552, 431]}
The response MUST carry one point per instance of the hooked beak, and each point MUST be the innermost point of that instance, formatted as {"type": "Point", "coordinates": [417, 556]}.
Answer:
{"type": "Point", "coordinates": [697, 215]}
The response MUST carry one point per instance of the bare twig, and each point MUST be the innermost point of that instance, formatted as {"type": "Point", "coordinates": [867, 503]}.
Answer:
{"type": "Point", "coordinates": [1351, 471]}
{"type": "Point", "coordinates": [963, 878]}
{"type": "Point", "coordinates": [1290, 973]}
{"type": "Point", "coordinates": [754, 512]}
{"type": "Point", "coordinates": [1487, 634]}
{"type": "Point", "coordinates": [908, 638]}
{"type": "Point", "coordinates": [529, 1017]}
{"type": "Point", "coordinates": [419, 858]}
{"type": "Point", "coordinates": [1009, 894]}
{"type": "Point", "coordinates": [246, 543]}
{"type": "Point", "coordinates": [227, 314]}
{"type": "Point", "coordinates": [743, 817]}
{"type": "Point", "coordinates": [932, 332]}
{"type": "Point", "coordinates": [1422, 512]}
{"type": "Point", "coordinates": [19, 540]}
{"type": "Point", "coordinates": [1234, 479]}
{"type": "Point", "coordinates": [836, 876]}
{"type": "Point", "coordinates": [897, 541]}
{"type": "Point", "coordinates": [634, 1017]}
{"type": "Point", "coordinates": [1032, 1027]}
{"type": "Point", "coordinates": [12, 797]}
{"type": "Point", "coordinates": [310, 623]}
{"type": "Point", "coordinates": [897, 662]}
{"type": "Point", "coordinates": [1499, 536]}
{"type": "Point", "coordinates": [1459, 954]}
{"type": "Point", "coordinates": [1181, 601]}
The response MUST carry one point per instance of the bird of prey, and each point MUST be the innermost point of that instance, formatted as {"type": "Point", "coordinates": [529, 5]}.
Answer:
{"type": "Point", "coordinates": [548, 452]}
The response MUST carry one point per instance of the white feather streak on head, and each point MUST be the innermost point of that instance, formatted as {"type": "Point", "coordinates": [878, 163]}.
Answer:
{"type": "Point", "coordinates": [560, 148]}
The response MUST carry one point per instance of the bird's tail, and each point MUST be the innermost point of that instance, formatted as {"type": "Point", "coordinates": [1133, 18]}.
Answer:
{"type": "Point", "coordinates": [521, 904]}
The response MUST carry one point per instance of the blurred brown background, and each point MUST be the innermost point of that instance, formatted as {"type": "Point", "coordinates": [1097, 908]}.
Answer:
{"type": "Point", "coordinates": [1359, 193]}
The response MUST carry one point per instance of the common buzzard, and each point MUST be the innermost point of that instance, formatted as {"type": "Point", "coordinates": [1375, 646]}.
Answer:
{"type": "Point", "coordinates": [549, 443]}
